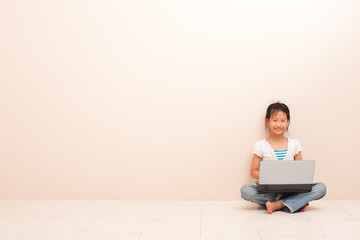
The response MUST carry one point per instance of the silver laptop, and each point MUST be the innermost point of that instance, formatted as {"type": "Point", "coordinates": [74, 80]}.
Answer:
{"type": "Point", "coordinates": [283, 176]}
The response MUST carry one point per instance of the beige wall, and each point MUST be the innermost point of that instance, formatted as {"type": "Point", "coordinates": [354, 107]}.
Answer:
{"type": "Point", "coordinates": [165, 99]}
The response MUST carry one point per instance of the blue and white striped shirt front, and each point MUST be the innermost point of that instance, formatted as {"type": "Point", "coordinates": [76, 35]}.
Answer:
{"type": "Point", "coordinates": [280, 154]}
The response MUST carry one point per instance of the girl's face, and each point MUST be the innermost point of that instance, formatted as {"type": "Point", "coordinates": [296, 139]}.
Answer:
{"type": "Point", "coordinates": [277, 123]}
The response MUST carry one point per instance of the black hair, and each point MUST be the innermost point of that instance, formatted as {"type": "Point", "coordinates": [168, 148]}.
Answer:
{"type": "Point", "coordinates": [276, 107]}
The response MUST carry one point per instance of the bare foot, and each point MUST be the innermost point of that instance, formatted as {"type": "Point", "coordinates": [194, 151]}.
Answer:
{"type": "Point", "coordinates": [273, 206]}
{"type": "Point", "coordinates": [304, 208]}
{"type": "Point", "coordinates": [269, 208]}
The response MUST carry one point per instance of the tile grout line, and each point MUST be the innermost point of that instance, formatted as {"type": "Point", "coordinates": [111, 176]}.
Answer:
{"type": "Point", "coordinates": [87, 229]}
{"type": "Point", "coordinates": [30, 229]}
{"type": "Point", "coordinates": [252, 217]}
{"type": "Point", "coordinates": [34, 226]}
{"type": "Point", "coordinates": [92, 224]}
{"type": "Point", "coordinates": [308, 221]}
{"type": "Point", "coordinates": [344, 210]}
{"type": "Point", "coordinates": [148, 220]}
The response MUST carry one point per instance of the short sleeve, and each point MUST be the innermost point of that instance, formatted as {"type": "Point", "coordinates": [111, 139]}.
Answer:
{"type": "Point", "coordinates": [258, 149]}
{"type": "Point", "coordinates": [297, 146]}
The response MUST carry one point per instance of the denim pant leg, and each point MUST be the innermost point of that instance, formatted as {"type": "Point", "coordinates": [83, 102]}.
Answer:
{"type": "Point", "coordinates": [296, 201]}
{"type": "Point", "coordinates": [250, 193]}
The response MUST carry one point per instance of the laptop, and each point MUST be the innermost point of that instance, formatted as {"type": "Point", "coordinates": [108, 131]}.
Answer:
{"type": "Point", "coordinates": [282, 176]}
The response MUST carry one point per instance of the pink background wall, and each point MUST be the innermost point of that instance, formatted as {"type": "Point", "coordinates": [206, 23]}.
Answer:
{"type": "Point", "coordinates": [165, 99]}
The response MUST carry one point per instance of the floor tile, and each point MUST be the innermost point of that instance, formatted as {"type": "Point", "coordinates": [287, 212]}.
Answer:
{"type": "Point", "coordinates": [304, 236]}
{"type": "Point", "coordinates": [192, 227]}
{"type": "Point", "coordinates": [169, 236]}
{"type": "Point", "coordinates": [62, 225]}
{"type": "Point", "coordinates": [229, 217]}
{"type": "Point", "coordinates": [109, 236]}
{"type": "Point", "coordinates": [350, 207]}
{"type": "Point", "coordinates": [224, 207]}
{"type": "Point", "coordinates": [49, 236]}
{"type": "Point", "coordinates": [228, 227]}
{"type": "Point", "coordinates": [9, 235]}
{"type": "Point", "coordinates": [227, 236]}
{"type": "Point", "coordinates": [341, 236]}
{"type": "Point", "coordinates": [175, 215]}
{"type": "Point", "coordinates": [326, 227]}
{"type": "Point", "coordinates": [177, 220]}
{"type": "Point", "coordinates": [18, 223]}
{"type": "Point", "coordinates": [284, 228]}
{"type": "Point", "coordinates": [119, 224]}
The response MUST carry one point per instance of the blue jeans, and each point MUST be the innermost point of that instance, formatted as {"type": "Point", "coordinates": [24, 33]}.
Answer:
{"type": "Point", "coordinates": [293, 201]}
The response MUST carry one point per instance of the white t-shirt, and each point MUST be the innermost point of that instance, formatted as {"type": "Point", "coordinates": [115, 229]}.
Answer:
{"type": "Point", "coordinates": [264, 150]}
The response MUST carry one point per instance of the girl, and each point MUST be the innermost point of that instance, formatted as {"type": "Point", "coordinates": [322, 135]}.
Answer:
{"type": "Point", "coordinates": [278, 147]}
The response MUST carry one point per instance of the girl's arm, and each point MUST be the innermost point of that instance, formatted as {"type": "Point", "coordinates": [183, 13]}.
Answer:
{"type": "Point", "coordinates": [255, 166]}
{"type": "Point", "coordinates": [298, 156]}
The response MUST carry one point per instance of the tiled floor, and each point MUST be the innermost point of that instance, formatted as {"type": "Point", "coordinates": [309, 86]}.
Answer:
{"type": "Point", "coordinates": [174, 220]}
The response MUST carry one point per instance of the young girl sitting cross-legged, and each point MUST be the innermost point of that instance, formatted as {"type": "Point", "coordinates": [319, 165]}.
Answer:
{"type": "Point", "coordinates": [280, 148]}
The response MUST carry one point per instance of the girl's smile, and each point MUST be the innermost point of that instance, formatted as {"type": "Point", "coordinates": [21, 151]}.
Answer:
{"type": "Point", "coordinates": [278, 123]}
